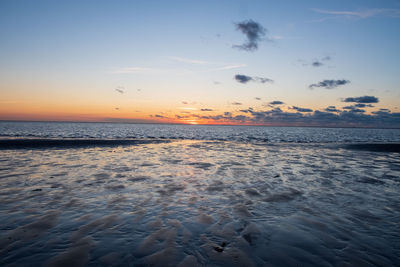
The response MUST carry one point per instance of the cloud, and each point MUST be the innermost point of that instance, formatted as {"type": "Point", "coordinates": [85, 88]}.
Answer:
{"type": "Point", "coordinates": [301, 109]}
{"type": "Point", "coordinates": [254, 33]}
{"type": "Point", "coordinates": [236, 103]}
{"type": "Point", "coordinates": [257, 98]}
{"type": "Point", "coordinates": [361, 99]}
{"type": "Point", "coordinates": [361, 13]}
{"type": "Point", "coordinates": [242, 78]}
{"type": "Point", "coordinates": [329, 84]}
{"type": "Point", "coordinates": [332, 109]}
{"type": "Point", "coordinates": [160, 116]}
{"type": "Point", "coordinates": [276, 102]}
{"type": "Point", "coordinates": [361, 105]}
{"type": "Point", "coordinates": [120, 89]}
{"type": "Point", "coordinates": [353, 109]}
{"type": "Point", "coordinates": [346, 118]}
{"type": "Point", "coordinates": [185, 102]}
{"type": "Point", "coordinates": [190, 61]}
{"type": "Point", "coordinates": [245, 79]}
{"type": "Point", "coordinates": [317, 64]}
{"type": "Point", "coordinates": [206, 109]}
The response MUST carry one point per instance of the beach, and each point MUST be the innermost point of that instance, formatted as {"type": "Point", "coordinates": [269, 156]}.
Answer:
{"type": "Point", "coordinates": [167, 202]}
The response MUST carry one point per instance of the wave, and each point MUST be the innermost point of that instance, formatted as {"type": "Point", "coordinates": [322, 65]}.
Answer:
{"type": "Point", "coordinates": [72, 143]}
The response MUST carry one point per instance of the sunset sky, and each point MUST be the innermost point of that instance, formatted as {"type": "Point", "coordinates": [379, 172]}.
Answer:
{"type": "Point", "coordinates": [311, 63]}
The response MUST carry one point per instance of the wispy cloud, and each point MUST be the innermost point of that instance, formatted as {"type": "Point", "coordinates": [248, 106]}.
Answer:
{"type": "Point", "coordinates": [361, 13]}
{"type": "Point", "coordinates": [190, 61]}
{"type": "Point", "coordinates": [147, 70]}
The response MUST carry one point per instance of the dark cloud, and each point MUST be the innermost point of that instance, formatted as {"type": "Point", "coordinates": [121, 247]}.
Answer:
{"type": "Point", "coordinates": [236, 103]}
{"type": "Point", "coordinates": [185, 102]}
{"type": "Point", "coordinates": [346, 118]}
{"type": "Point", "coordinates": [276, 102]}
{"type": "Point", "coordinates": [120, 89]}
{"type": "Point", "coordinates": [353, 109]}
{"type": "Point", "coordinates": [254, 33]}
{"type": "Point", "coordinates": [242, 78]}
{"type": "Point", "coordinates": [245, 79]}
{"type": "Point", "coordinates": [329, 84]}
{"type": "Point", "coordinates": [317, 64]}
{"type": "Point", "coordinates": [160, 116]}
{"type": "Point", "coordinates": [206, 109]}
{"type": "Point", "coordinates": [361, 105]}
{"type": "Point", "coordinates": [332, 109]}
{"type": "Point", "coordinates": [361, 99]}
{"type": "Point", "coordinates": [116, 108]}
{"type": "Point", "coordinates": [301, 109]}
{"type": "Point", "coordinates": [257, 98]}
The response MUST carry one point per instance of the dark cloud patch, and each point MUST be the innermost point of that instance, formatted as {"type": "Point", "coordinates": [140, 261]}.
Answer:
{"type": "Point", "coordinates": [361, 105]}
{"type": "Point", "coordinates": [160, 116]}
{"type": "Point", "coordinates": [257, 98]}
{"type": "Point", "coordinates": [206, 109]}
{"type": "Point", "coordinates": [116, 108]}
{"type": "Point", "coordinates": [353, 109]}
{"type": "Point", "coordinates": [361, 99]}
{"type": "Point", "coordinates": [254, 33]}
{"type": "Point", "coordinates": [346, 118]}
{"type": "Point", "coordinates": [242, 78]}
{"type": "Point", "coordinates": [185, 102]}
{"type": "Point", "coordinates": [332, 109]}
{"type": "Point", "coordinates": [301, 109]}
{"type": "Point", "coordinates": [236, 103]}
{"type": "Point", "coordinates": [329, 84]}
{"type": "Point", "coordinates": [120, 89]}
{"type": "Point", "coordinates": [276, 102]}
{"type": "Point", "coordinates": [245, 79]}
{"type": "Point", "coordinates": [317, 64]}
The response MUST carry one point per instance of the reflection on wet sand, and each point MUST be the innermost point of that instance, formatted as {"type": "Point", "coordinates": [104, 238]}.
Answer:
{"type": "Point", "coordinates": [195, 203]}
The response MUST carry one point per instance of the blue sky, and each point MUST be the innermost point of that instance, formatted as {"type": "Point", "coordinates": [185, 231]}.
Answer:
{"type": "Point", "coordinates": [64, 60]}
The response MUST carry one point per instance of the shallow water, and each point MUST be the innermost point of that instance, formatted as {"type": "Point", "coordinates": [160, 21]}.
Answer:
{"type": "Point", "coordinates": [194, 202]}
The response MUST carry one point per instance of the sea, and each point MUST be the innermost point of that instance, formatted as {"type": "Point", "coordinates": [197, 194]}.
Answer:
{"type": "Point", "coordinates": [114, 194]}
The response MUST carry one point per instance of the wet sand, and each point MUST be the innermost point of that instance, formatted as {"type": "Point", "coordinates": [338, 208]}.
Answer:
{"type": "Point", "coordinates": [197, 203]}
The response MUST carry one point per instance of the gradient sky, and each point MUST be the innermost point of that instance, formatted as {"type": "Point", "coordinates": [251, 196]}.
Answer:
{"type": "Point", "coordinates": [176, 61]}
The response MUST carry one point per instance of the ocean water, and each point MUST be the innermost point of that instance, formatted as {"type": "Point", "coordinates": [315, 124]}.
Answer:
{"type": "Point", "coordinates": [76, 194]}
{"type": "Point", "coordinates": [197, 132]}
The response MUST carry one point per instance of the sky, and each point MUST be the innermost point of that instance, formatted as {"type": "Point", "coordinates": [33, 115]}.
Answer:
{"type": "Point", "coordinates": [274, 63]}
